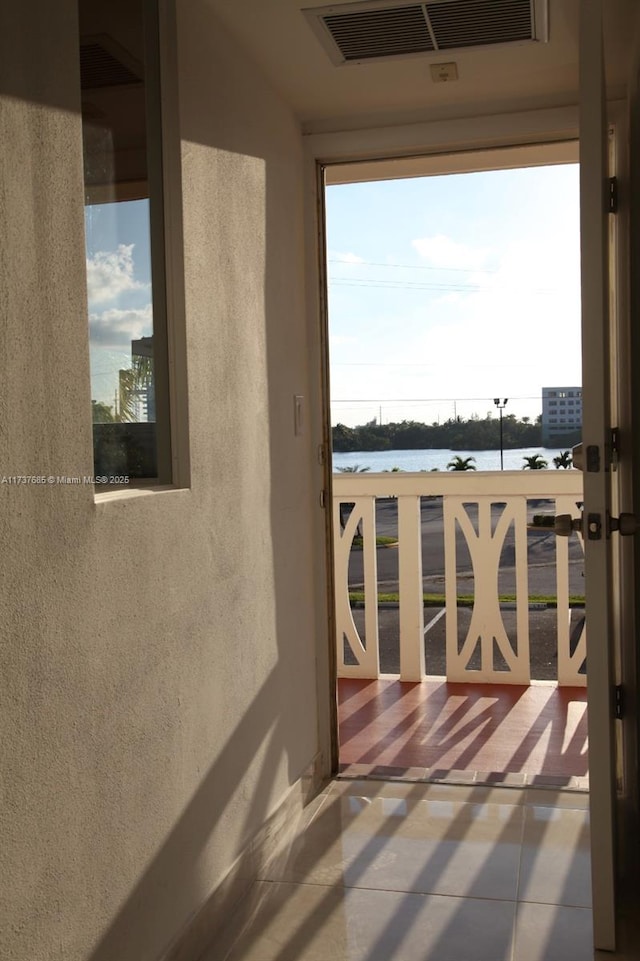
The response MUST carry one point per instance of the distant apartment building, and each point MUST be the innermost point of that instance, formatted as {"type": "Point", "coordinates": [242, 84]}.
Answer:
{"type": "Point", "coordinates": [561, 415]}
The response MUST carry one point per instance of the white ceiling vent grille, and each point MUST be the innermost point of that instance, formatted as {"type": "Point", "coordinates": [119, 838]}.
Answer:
{"type": "Point", "coordinates": [379, 33]}
{"type": "Point", "coordinates": [472, 23]}
{"type": "Point", "coordinates": [104, 63]}
{"type": "Point", "coordinates": [384, 29]}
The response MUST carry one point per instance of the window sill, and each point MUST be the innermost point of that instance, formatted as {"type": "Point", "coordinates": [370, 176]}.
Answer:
{"type": "Point", "coordinates": [132, 493]}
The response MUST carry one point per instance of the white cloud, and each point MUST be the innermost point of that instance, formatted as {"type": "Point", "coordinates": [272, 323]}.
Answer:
{"type": "Point", "coordinates": [116, 328]}
{"type": "Point", "coordinates": [515, 329]}
{"type": "Point", "coordinates": [111, 273]}
{"type": "Point", "coordinates": [347, 258]}
{"type": "Point", "coordinates": [442, 251]}
{"type": "Point", "coordinates": [520, 332]}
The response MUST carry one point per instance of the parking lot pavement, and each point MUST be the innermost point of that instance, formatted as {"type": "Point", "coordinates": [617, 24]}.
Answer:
{"type": "Point", "coordinates": [542, 638]}
{"type": "Point", "coordinates": [541, 549]}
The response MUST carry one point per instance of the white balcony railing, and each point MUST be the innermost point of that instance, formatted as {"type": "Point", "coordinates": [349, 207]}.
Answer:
{"type": "Point", "coordinates": [482, 513]}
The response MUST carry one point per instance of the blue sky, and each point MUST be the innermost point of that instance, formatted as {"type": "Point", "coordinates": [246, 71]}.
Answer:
{"type": "Point", "coordinates": [447, 291]}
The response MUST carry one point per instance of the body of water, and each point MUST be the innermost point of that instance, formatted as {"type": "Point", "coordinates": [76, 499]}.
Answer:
{"type": "Point", "coordinates": [417, 460]}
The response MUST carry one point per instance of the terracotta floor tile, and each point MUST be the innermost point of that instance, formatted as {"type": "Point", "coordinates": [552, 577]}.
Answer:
{"type": "Point", "coordinates": [538, 730]}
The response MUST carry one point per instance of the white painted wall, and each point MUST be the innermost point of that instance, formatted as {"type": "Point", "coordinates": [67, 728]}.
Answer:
{"type": "Point", "coordinates": [158, 652]}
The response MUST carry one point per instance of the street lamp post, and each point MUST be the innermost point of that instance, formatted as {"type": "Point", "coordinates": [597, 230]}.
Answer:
{"type": "Point", "coordinates": [501, 404]}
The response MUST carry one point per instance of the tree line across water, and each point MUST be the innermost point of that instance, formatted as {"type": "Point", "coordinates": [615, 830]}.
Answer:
{"type": "Point", "coordinates": [476, 433]}
{"type": "Point", "coordinates": [563, 460]}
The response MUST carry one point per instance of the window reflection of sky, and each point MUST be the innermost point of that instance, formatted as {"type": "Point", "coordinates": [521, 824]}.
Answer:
{"type": "Point", "coordinates": [119, 288]}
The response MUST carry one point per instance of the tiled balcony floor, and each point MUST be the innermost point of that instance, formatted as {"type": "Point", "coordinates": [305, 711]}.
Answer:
{"type": "Point", "coordinates": [470, 732]}
{"type": "Point", "coordinates": [424, 872]}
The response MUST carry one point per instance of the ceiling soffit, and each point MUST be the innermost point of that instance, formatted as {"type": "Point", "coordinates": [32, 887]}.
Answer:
{"type": "Point", "coordinates": [385, 29]}
{"type": "Point", "coordinates": [505, 77]}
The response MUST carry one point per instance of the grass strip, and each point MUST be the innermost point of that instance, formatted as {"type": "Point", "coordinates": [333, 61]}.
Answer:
{"type": "Point", "coordinates": [467, 600]}
{"type": "Point", "coordinates": [381, 541]}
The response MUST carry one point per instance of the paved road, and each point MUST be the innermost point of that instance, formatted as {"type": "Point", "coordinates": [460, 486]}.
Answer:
{"type": "Point", "coordinates": [542, 639]}
{"type": "Point", "coordinates": [541, 550]}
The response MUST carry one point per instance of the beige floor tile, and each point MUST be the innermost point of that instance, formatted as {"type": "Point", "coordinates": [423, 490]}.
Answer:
{"type": "Point", "coordinates": [577, 800]}
{"type": "Point", "coordinates": [555, 866]}
{"type": "Point", "coordinates": [425, 872]}
{"type": "Point", "coordinates": [397, 844]}
{"type": "Point", "coordinates": [317, 923]}
{"type": "Point", "coordinates": [479, 794]}
{"type": "Point", "coordinates": [546, 932]}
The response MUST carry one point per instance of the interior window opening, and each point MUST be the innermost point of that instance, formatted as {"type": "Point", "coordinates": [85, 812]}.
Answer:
{"type": "Point", "coordinates": [124, 242]}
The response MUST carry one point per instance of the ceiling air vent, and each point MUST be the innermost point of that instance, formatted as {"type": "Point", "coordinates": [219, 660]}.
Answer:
{"type": "Point", "coordinates": [379, 33]}
{"type": "Point", "coordinates": [384, 29]}
{"type": "Point", "coordinates": [104, 63]}
{"type": "Point", "coordinates": [473, 23]}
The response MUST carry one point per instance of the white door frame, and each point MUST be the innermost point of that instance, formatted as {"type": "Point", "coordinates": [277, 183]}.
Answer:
{"type": "Point", "coordinates": [437, 141]}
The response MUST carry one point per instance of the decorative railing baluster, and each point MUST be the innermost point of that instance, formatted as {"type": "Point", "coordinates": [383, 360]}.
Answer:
{"type": "Point", "coordinates": [479, 510]}
{"type": "Point", "coordinates": [362, 518]}
{"type": "Point", "coordinates": [570, 662]}
{"type": "Point", "coordinates": [487, 629]}
{"type": "Point", "coordinates": [410, 588]}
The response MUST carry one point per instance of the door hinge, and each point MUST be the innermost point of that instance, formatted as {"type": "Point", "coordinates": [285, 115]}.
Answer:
{"type": "Point", "coordinates": [321, 455]}
{"type": "Point", "coordinates": [618, 702]}
{"type": "Point", "coordinates": [323, 499]}
{"type": "Point", "coordinates": [613, 195]}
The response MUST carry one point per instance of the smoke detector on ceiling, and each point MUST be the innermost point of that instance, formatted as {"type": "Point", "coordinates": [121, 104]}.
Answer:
{"type": "Point", "coordinates": [395, 29]}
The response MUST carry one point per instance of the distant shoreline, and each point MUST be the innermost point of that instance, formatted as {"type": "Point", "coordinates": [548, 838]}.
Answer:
{"type": "Point", "coordinates": [428, 459]}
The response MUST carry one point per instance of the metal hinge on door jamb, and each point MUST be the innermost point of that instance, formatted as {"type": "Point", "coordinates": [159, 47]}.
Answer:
{"type": "Point", "coordinates": [618, 702]}
{"type": "Point", "coordinates": [613, 195]}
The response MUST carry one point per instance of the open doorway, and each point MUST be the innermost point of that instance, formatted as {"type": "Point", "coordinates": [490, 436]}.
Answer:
{"type": "Point", "coordinates": [456, 398]}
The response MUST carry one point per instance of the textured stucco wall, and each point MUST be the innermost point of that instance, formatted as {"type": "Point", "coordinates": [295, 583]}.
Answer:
{"type": "Point", "coordinates": [157, 652]}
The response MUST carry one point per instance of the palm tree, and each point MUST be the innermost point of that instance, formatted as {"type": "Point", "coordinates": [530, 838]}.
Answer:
{"type": "Point", "coordinates": [563, 460]}
{"type": "Point", "coordinates": [101, 413]}
{"type": "Point", "coordinates": [355, 469]}
{"type": "Point", "coordinates": [461, 463]}
{"type": "Point", "coordinates": [133, 383]}
{"type": "Point", "coordinates": [535, 462]}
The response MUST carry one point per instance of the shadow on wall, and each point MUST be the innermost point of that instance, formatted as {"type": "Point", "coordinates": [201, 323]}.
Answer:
{"type": "Point", "coordinates": [281, 720]}
{"type": "Point", "coordinates": [276, 737]}
{"type": "Point", "coordinates": [171, 884]}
